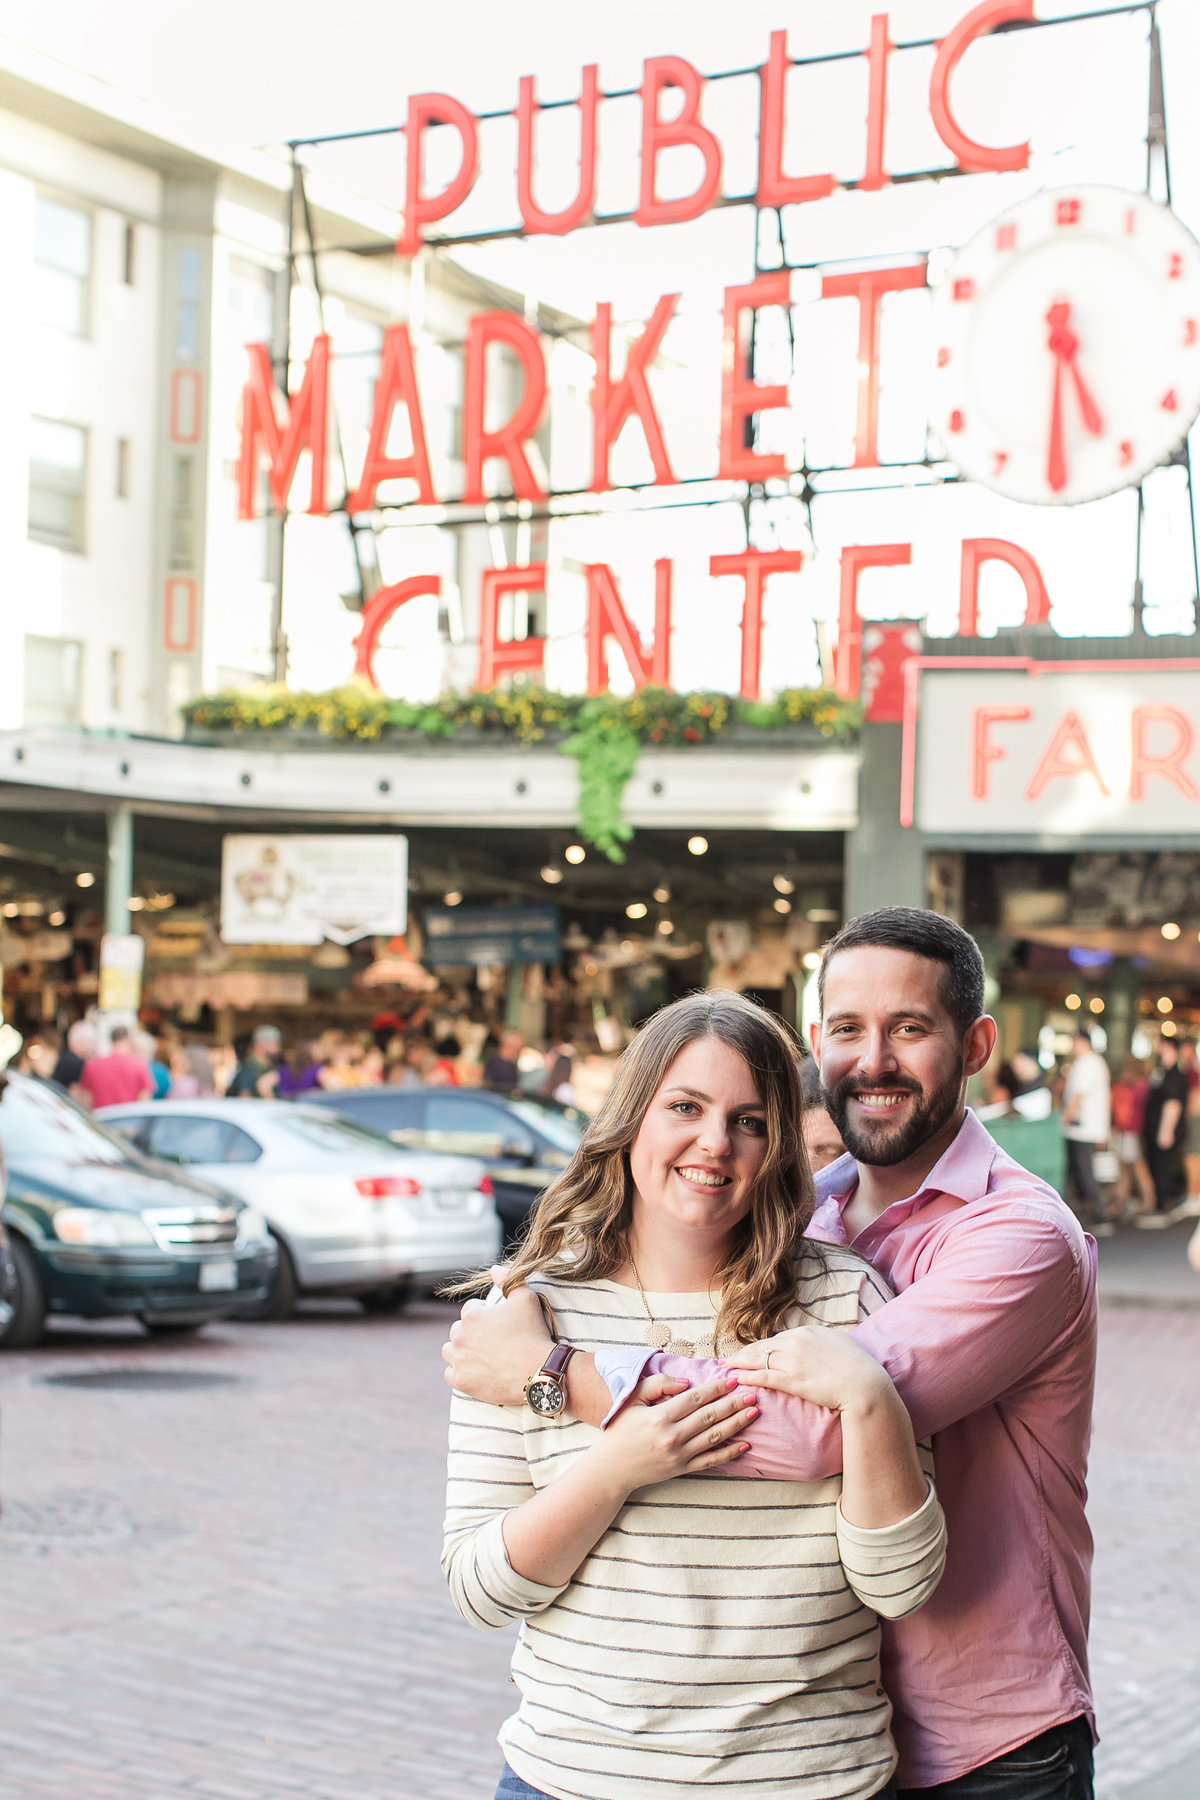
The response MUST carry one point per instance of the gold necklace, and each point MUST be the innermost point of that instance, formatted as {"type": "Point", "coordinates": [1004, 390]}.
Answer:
{"type": "Point", "coordinates": [659, 1336]}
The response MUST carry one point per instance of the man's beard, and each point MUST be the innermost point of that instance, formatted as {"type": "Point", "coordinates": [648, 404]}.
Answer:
{"type": "Point", "coordinates": [882, 1147]}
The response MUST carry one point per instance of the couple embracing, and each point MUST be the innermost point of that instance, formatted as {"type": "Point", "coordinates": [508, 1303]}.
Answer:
{"type": "Point", "coordinates": [787, 1489]}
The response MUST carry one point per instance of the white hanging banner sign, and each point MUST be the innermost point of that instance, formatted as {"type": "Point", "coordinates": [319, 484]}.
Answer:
{"type": "Point", "coordinates": [300, 890]}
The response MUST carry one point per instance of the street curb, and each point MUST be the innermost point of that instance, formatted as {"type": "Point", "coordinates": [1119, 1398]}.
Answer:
{"type": "Point", "coordinates": [1151, 1302]}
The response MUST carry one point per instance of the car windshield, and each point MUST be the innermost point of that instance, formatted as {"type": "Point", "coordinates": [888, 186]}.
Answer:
{"type": "Point", "coordinates": [563, 1128]}
{"type": "Point", "coordinates": [330, 1131]}
{"type": "Point", "coordinates": [37, 1121]}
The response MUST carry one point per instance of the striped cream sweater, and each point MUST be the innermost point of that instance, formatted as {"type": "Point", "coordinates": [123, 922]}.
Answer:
{"type": "Point", "coordinates": [722, 1633]}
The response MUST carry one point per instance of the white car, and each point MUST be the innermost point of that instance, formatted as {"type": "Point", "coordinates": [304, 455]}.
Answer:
{"type": "Point", "coordinates": [353, 1213]}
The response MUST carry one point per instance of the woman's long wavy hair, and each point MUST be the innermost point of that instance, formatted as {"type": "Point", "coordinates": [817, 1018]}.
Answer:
{"type": "Point", "coordinates": [580, 1227]}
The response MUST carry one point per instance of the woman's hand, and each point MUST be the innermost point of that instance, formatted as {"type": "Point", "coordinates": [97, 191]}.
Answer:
{"type": "Point", "coordinates": [815, 1362]}
{"type": "Point", "coordinates": [654, 1438]}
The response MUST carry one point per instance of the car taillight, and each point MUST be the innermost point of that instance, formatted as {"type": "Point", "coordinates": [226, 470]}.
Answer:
{"type": "Point", "coordinates": [485, 1187]}
{"type": "Point", "coordinates": [387, 1187]}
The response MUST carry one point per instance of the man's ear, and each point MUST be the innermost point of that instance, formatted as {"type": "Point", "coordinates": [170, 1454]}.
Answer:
{"type": "Point", "coordinates": [814, 1038]}
{"type": "Point", "coordinates": [978, 1045]}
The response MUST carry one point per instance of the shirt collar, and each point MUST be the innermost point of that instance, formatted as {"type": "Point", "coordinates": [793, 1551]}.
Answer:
{"type": "Point", "coordinates": [962, 1170]}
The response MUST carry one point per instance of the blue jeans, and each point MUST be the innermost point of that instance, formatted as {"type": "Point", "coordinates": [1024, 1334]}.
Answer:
{"type": "Point", "coordinates": [513, 1788]}
{"type": "Point", "coordinates": [1055, 1766]}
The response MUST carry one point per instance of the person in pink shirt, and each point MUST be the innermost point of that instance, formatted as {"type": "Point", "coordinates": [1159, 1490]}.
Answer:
{"type": "Point", "coordinates": [118, 1077]}
{"type": "Point", "coordinates": [990, 1341]}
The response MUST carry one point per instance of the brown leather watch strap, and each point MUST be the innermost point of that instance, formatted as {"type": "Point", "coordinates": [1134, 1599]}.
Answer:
{"type": "Point", "coordinates": [556, 1363]}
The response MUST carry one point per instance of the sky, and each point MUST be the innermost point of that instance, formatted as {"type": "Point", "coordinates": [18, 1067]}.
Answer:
{"type": "Point", "coordinates": [256, 72]}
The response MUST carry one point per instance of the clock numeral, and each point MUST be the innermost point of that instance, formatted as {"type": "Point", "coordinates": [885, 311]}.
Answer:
{"type": "Point", "coordinates": [943, 355]}
{"type": "Point", "coordinates": [1175, 266]}
{"type": "Point", "coordinates": [1068, 212]}
{"type": "Point", "coordinates": [999, 459]}
{"type": "Point", "coordinates": [1006, 237]}
{"type": "Point", "coordinates": [1124, 453]}
{"type": "Point", "coordinates": [963, 289]}
{"type": "Point", "coordinates": [1169, 403]}
{"type": "Point", "coordinates": [1130, 222]}
{"type": "Point", "coordinates": [1189, 331]}
{"type": "Point", "coordinates": [956, 420]}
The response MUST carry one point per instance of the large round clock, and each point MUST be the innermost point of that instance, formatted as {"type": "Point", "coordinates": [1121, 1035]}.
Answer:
{"type": "Point", "coordinates": [1067, 345]}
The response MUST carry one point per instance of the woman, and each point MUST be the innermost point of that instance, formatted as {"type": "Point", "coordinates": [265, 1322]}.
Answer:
{"type": "Point", "coordinates": [191, 1073]}
{"type": "Point", "coordinates": [300, 1071]}
{"type": "Point", "coordinates": [676, 1633]}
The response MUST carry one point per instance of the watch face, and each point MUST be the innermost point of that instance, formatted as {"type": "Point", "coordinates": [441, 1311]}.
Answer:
{"type": "Point", "coordinates": [545, 1397]}
{"type": "Point", "coordinates": [1067, 345]}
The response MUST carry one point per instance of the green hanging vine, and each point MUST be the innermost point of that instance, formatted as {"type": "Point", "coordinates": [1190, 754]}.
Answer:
{"type": "Point", "coordinates": [606, 748]}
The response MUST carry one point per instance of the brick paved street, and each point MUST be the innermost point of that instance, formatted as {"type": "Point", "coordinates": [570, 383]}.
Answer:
{"type": "Point", "coordinates": [231, 1590]}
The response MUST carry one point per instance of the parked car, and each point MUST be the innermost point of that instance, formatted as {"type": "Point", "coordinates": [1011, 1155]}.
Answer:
{"type": "Point", "coordinates": [524, 1141]}
{"type": "Point", "coordinates": [95, 1231]}
{"type": "Point", "coordinates": [351, 1213]}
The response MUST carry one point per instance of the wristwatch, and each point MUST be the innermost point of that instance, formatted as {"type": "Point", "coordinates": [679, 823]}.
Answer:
{"type": "Point", "coordinates": [545, 1392]}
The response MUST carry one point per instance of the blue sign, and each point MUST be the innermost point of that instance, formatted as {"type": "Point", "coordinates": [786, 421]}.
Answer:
{"type": "Point", "coordinates": [477, 935]}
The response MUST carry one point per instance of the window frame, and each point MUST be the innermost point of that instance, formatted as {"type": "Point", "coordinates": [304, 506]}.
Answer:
{"type": "Point", "coordinates": [40, 535]}
{"type": "Point", "coordinates": [70, 203]}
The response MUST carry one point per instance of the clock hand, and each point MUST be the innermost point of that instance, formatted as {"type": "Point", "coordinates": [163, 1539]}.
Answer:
{"type": "Point", "coordinates": [1064, 345]}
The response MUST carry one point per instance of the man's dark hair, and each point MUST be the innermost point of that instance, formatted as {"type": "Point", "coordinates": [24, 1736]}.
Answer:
{"type": "Point", "coordinates": [925, 934]}
{"type": "Point", "coordinates": [118, 1034]}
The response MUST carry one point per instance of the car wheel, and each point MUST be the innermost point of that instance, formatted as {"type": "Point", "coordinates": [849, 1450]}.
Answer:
{"type": "Point", "coordinates": [175, 1328]}
{"type": "Point", "coordinates": [28, 1323]}
{"type": "Point", "coordinates": [386, 1299]}
{"type": "Point", "coordinates": [280, 1302]}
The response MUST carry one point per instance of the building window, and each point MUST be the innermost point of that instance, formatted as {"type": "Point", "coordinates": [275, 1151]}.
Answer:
{"type": "Point", "coordinates": [187, 313]}
{"type": "Point", "coordinates": [122, 468]}
{"type": "Point", "coordinates": [62, 255]}
{"type": "Point", "coordinates": [53, 684]}
{"type": "Point", "coordinates": [116, 680]}
{"type": "Point", "coordinates": [129, 260]}
{"type": "Point", "coordinates": [58, 484]}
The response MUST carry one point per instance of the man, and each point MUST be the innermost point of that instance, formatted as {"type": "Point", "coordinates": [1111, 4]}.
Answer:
{"type": "Point", "coordinates": [119, 1077]}
{"type": "Point", "coordinates": [1162, 1133]}
{"type": "Point", "coordinates": [80, 1044]}
{"type": "Point", "coordinates": [991, 1343]}
{"type": "Point", "coordinates": [500, 1071]}
{"type": "Point", "coordinates": [1086, 1123]}
{"type": "Point", "coordinates": [822, 1140]}
{"type": "Point", "coordinates": [254, 1076]}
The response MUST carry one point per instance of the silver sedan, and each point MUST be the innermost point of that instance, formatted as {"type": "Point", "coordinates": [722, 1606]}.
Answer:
{"type": "Point", "coordinates": [353, 1213]}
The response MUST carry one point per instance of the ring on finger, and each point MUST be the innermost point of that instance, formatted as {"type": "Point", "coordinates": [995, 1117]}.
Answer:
{"type": "Point", "coordinates": [767, 1363]}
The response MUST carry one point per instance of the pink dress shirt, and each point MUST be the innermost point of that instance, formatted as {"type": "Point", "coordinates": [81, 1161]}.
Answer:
{"type": "Point", "coordinates": [991, 1342]}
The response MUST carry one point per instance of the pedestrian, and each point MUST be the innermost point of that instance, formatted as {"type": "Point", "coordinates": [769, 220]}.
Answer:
{"type": "Point", "coordinates": [1086, 1124]}
{"type": "Point", "coordinates": [822, 1139]}
{"type": "Point", "coordinates": [191, 1073]}
{"type": "Point", "coordinates": [652, 1660]}
{"type": "Point", "coordinates": [1128, 1108]}
{"type": "Point", "coordinates": [299, 1072]}
{"type": "Point", "coordinates": [991, 1342]}
{"type": "Point", "coordinates": [146, 1047]}
{"type": "Point", "coordinates": [501, 1070]}
{"type": "Point", "coordinates": [1163, 1130]}
{"type": "Point", "coordinates": [68, 1070]}
{"type": "Point", "coordinates": [559, 1060]}
{"type": "Point", "coordinates": [255, 1074]}
{"type": "Point", "coordinates": [117, 1078]}
{"type": "Point", "coordinates": [1189, 1207]}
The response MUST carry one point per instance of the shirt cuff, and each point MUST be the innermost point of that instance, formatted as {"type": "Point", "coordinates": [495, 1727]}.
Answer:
{"type": "Point", "coordinates": [621, 1369]}
{"type": "Point", "coordinates": [911, 1531]}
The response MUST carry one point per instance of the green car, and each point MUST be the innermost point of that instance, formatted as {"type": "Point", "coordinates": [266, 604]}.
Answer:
{"type": "Point", "coordinates": [97, 1231]}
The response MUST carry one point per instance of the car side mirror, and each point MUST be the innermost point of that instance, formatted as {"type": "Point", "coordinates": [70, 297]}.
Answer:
{"type": "Point", "coordinates": [519, 1151]}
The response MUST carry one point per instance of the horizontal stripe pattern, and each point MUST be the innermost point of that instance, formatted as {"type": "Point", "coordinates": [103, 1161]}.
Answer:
{"type": "Point", "coordinates": [722, 1632]}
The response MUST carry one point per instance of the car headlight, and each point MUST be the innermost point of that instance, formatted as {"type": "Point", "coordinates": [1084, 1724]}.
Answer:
{"type": "Point", "coordinates": [252, 1227]}
{"type": "Point", "coordinates": [108, 1230]}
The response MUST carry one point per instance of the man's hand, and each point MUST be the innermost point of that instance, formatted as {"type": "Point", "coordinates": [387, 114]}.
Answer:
{"type": "Point", "coordinates": [493, 1350]}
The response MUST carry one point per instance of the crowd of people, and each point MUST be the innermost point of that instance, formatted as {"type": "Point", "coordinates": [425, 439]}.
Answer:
{"type": "Point", "coordinates": [432, 1052]}
{"type": "Point", "coordinates": [1132, 1140]}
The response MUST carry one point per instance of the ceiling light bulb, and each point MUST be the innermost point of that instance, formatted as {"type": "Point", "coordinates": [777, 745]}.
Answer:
{"type": "Point", "coordinates": [636, 909]}
{"type": "Point", "coordinates": [552, 875]}
{"type": "Point", "coordinates": [811, 959]}
{"type": "Point", "coordinates": [666, 926]}
{"type": "Point", "coordinates": [11, 910]}
{"type": "Point", "coordinates": [136, 903]}
{"type": "Point", "coordinates": [662, 893]}
{"type": "Point", "coordinates": [1096, 1005]}
{"type": "Point", "coordinates": [1166, 1004]}
{"type": "Point", "coordinates": [782, 906]}
{"type": "Point", "coordinates": [85, 879]}
{"type": "Point", "coordinates": [574, 853]}
{"type": "Point", "coordinates": [453, 898]}
{"type": "Point", "coordinates": [782, 885]}
{"type": "Point", "coordinates": [697, 845]}
{"type": "Point", "coordinates": [57, 918]}
{"type": "Point", "coordinates": [1072, 1002]}
{"type": "Point", "coordinates": [1170, 930]}
{"type": "Point", "coordinates": [1168, 1028]}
